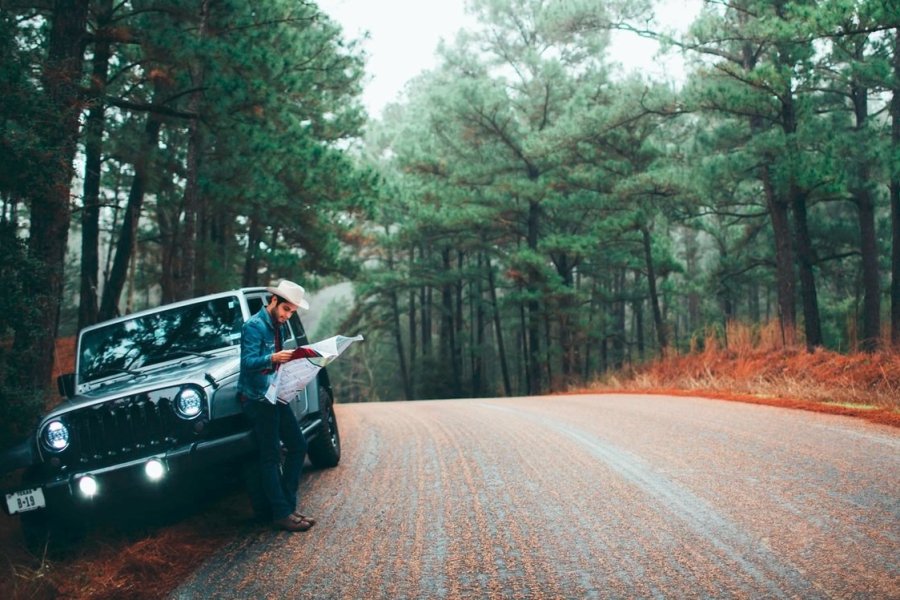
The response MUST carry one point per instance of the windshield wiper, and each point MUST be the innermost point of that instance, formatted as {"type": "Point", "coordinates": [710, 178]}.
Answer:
{"type": "Point", "coordinates": [171, 354]}
{"type": "Point", "coordinates": [194, 353]}
{"type": "Point", "coordinates": [115, 371]}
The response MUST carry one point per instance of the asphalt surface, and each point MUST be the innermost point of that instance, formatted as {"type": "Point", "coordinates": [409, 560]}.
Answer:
{"type": "Point", "coordinates": [590, 496]}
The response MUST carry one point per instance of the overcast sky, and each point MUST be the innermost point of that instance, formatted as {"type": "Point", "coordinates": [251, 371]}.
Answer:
{"type": "Point", "coordinates": [404, 35]}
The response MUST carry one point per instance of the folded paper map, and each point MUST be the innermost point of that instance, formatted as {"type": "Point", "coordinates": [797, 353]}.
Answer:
{"type": "Point", "coordinates": [306, 362]}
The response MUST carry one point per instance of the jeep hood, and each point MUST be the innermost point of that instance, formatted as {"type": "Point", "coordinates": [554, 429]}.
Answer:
{"type": "Point", "coordinates": [199, 371]}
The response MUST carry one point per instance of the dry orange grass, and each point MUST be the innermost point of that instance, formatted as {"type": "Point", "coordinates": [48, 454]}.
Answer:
{"type": "Point", "coordinates": [112, 564]}
{"type": "Point", "coordinates": [754, 367]}
{"type": "Point", "coordinates": [150, 567]}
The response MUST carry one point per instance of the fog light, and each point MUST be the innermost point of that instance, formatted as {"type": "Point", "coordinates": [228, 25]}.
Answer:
{"type": "Point", "coordinates": [88, 486]}
{"type": "Point", "coordinates": [154, 469]}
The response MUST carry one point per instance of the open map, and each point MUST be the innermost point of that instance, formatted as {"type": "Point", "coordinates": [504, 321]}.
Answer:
{"type": "Point", "coordinates": [294, 375]}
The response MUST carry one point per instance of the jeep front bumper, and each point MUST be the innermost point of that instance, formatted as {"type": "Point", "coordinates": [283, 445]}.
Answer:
{"type": "Point", "coordinates": [126, 478]}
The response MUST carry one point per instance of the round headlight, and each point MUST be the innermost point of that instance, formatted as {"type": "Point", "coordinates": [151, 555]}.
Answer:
{"type": "Point", "coordinates": [56, 436]}
{"type": "Point", "coordinates": [188, 403]}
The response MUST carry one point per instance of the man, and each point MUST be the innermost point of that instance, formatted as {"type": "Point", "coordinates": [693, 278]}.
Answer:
{"type": "Point", "coordinates": [273, 420]}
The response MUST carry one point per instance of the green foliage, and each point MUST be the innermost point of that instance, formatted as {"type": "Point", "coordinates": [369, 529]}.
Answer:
{"type": "Point", "coordinates": [225, 127]}
{"type": "Point", "coordinates": [502, 222]}
{"type": "Point", "coordinates": [526, 158]}
{"type": "Point", "coordinates": [280, 90]}
{"type": "Point", "coordinates": [20, 104]}
{"type": "Point", "coordinates": [15, 269]}
{"type": "Point", "coordinates": [19, 407]}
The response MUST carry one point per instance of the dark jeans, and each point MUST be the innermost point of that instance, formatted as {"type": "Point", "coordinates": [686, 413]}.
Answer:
{"type": "Point", "coordinates": [274, 425]}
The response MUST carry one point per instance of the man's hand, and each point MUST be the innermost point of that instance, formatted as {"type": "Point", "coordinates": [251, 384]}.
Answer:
{"type": "Point", "coordinates": [282, 357]}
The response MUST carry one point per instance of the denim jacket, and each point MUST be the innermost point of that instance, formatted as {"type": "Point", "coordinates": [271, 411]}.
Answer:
{"type": "Point", "coordinates": [257, 347]}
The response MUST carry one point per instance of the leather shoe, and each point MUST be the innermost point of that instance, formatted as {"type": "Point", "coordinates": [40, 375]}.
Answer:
{"type": "Point", "coordinates": [299, 517]}
{"type": "Point", "coordinates": [289, 524]}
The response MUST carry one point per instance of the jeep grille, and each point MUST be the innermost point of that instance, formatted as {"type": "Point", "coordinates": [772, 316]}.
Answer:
{"type": "Point", "coordinates": [123, 429]}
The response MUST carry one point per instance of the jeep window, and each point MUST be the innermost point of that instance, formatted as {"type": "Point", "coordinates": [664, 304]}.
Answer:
{"type": "Point", "coordinates": [255, 303]}
{"type": "Point", "coordinates": [189, 330]}
{"type": "Point", "coordinates": [297, 329]}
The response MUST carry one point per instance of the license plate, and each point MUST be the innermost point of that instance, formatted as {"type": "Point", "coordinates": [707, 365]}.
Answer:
{"type": "Point", "coordinates": [25, 500]}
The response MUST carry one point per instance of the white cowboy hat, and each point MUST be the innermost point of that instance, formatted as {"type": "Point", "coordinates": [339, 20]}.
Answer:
{"type": "Point", "coordinates": [291, 292]}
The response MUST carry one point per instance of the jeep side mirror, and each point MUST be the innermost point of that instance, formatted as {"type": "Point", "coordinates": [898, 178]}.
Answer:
{"type": "Point", "coordinates": [66, 385]}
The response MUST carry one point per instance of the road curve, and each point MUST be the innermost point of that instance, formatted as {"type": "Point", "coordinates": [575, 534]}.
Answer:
{"type": "Point", "coordinates": [584, 496]}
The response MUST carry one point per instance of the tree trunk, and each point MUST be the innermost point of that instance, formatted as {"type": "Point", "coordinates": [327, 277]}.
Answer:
{"type": "Point", "coordinates": [618, 320]}
{"type": "Point", "coordinates": [784, 262]}
{"type": "Point", "coordinates": [458, 323]}
{"type": "Point", "coordinates": [477, 350]}
{"type": "Point", "coordinates": [692, 260]}
{"type": "Point", "coordinates": [425, 301]}
{"type": "Point", "coordinates": [868, 236]}
{"type": "Point", "coordinates": [112, 290]}
{"type": "Point", "coordinates": [398, 333]}
{"type": "Point", "coordinates": [565, 314]}
{"type": "Point", "coordinates": [413, 348]}
{"type": "Point", "coordinates": [447, 340]}
{"type": "Point", "coordinates": [187, 241]}
{"type": "Point", "coordinates": [778, 210]}
{"type": "Point", "coordinates": [797, 196]}
{"type": "Point", "coordinates": [753, 302]}
{"type": "Point", "coordinates": [812, 326]}
{"type": "Point", "coordinates": [586, 364]}
{"type": "Point", "coordinates": [34, 344]}
{"type": "Point", "coordinates": [251, 260]}
{"type": "Point", "coordinates": [661, 333]}
{"type": "Point", "coordinates": [548, 354]}
{"type": "Point", "coordinates": [638, 312]}
{"type": "Point", "coordinates": [93, 155]}
{"type": "Point", "coordinates": [398, 339]}
{"type": "Point", "coordinates": [116, 210]}
{"type": "Point", "coordinates": [895, 197]}
{"type": "Point", "coordinates": [522, 363]}
{"type": "Point", "coordinates": [534, 309]}
{"type": "Point", "coordinates": [498, 330]}
{"type": "Point", "coordinates": [805, 255]}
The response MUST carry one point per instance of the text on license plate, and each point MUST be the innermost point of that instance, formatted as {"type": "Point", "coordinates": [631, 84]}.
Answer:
{"type": "Point", "coordinates": [25, 500]}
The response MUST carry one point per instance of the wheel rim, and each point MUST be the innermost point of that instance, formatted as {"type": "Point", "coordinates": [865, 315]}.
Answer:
{"type": "Point", "coordinates": [332, 426]}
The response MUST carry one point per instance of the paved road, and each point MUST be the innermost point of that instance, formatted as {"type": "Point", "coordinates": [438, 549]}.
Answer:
{"type": "Point", "coordinates": [591, 496]}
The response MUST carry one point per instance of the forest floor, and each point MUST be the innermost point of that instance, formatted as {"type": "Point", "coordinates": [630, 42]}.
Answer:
{"type": "Point", "coordinates": [149, 560]}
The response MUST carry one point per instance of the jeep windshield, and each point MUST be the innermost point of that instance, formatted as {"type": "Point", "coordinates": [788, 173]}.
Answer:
{"type": "Point", "coordinates": [184, 331]}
